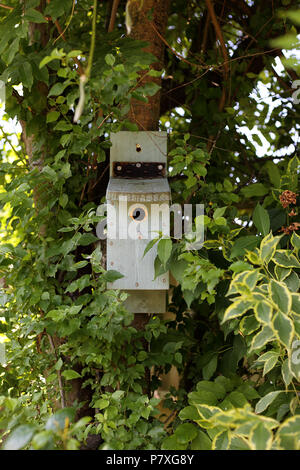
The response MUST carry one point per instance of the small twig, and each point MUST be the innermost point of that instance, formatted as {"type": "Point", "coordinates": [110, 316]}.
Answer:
{"type": "Point", "coordinates": [169, 418]}
{"type": "Point", "coordinates": [171, 48]}
{"type": "Point", "coordinates": [12, 146]}
{"type": "Point", "coordinates": [279, 78]}
{"type": "Point", "coordinates": [186, 83]}
{"type": "Point", "coordinates": [105, 119]}
{"type": "Point", "coordinates": [67, 24]}
{"type": "Point", "coordinates": [100, 177]}
{"type": "Point", "coordinates": [60, 384]}
{"type": "Point", "coordinates": [6, 6]}
{"type": "Point", "coordinates": [113, 16]}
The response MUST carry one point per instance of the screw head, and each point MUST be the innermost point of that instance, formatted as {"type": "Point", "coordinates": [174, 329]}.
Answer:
{"type": "Point", "coordinates": [119, 168]}
{"type": "Point", "coordinates": [160, 167]}
{"type": "Point", "coordinates": [138, 165]}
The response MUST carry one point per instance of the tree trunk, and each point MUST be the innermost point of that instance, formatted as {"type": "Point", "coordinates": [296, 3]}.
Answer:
{"type": "Point", "coordinates": [149, 20]}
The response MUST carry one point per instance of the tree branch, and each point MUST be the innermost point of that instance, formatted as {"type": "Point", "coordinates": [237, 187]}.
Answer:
{"type": "Point", "coordinates": [113, 15]}
{"type": "Point", "coordinates": [219, 35]}
{"type": "Point", "coordinates": [6, 6]}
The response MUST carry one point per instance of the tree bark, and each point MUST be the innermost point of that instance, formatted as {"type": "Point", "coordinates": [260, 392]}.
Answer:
{"type": "Point", "coordinates": [148, 22]}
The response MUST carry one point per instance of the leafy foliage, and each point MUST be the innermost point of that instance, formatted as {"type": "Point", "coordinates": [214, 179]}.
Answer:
{"type": "Point", "coordinates": [76, 364]}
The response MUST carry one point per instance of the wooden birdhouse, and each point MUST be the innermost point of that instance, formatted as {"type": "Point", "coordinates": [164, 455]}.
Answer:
{"type": "Point", "coordinates": [138, 197]}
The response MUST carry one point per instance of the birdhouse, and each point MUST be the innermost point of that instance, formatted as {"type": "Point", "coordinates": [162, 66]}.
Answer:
{"type": "Point", "coordinates": [138, 197]}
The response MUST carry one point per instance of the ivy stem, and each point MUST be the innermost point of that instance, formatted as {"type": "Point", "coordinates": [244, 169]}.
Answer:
{"type": "Point", "coordinates": [93, 41]}
{"type": "Point", "coordinates": [5, 136]}
{"type": "Point", "coordinates": [85, 77]}
{"type": "Point", "coordinates": [60, 384]}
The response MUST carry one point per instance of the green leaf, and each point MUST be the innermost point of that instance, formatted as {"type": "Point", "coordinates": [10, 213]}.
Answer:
{"type": "Point", "coordinates": [42, 440]}
{"type": "Point", "coordinates": [282, 273]}
{"type": "Point", "coordinates": [286, 372]}
{"type": "Point", "coordinates": [118, 394]}
{"type": "Point", "coordinates": [237, 309]}
{"type": "Point", "coordinates": [263, 337]}
{"type": "Point", "coordinates": [189, 412]}
{"type": "Point", "coordinates": [164, 250]}
{"type": "Point", "coordinates": [295, 241]}
{"type": "Point", "coordinates": [25, 72]}
{"type": "Point", "coordinates": [171, 443]}
{"type": "Point", "coordinates": [220, 221]}
{"type": "Point", "coordinates": [201, 442]}
{"type": "Point", "coordinates": [263, 312]}
{"type": "Point", "coordinates": [265, 401]}
{"type": "Point", "coordinates": [280, 296]}
{"type": "Point", "coordinates": [270, 363]}
{"type": "Point", "coordinates": [242, 244]}
{"type": "Point", "coordinates": [186, 432]}
{"type": "Point", "coordinates": [110, 59]}
{"type": "Point", "coordinates": [79, 284]}
{"type": "Point", "coordinates": [34, 16]}
{"type": "Point", "coordinates": [56, 315]}
{"type": "Point", "coordinates": [248, 391]}
{"type": "Point", "coordinates": [255, 190]}
{"type": "Point", "coordinates": [53, 116]}
{"type": "Point", "coordinates": [222, 440]}
{"type": "Point", "coordinates": [237, 399]}
{"type": "Point", "coordinates": [251, 279]}
{"type": "Point", "coordinates": [60, 419]}
{"type": "Point", "coordinates": [261, 437]}
{"type": "Point", "coordinates": [12, 50]}
{"type": "Point", "coordinates": [219, 212]}
{"type": "Point", "coordinates": [63, 200]}
{"type": "Point", "coordinates": [261, 220]}
{"type": "Point", "coordinates": [210, 368]}
{"type": "Point", "coordinates": [150, 245]}
{"type": "Point", "coordinates": [284, 328]}
{"type": "Point", "coordinates": [70, 374]}
{"type": "Point", "coordinates": [87, 238]}
{"type": "Point", "coordinates": [288, 433]}
{"type": "Point", "coordinates": [19, 437]}
{"type": "Point", "coordinates": [57, 89]}
{"type": "Point", "coordinates": [285, 260]}
{"type": "Point", "coordinates": [239, 266]}
{"type": "Point", "coordinates": [288, 41]}
{"type": "Point", "coordinates": [203, 397]}
{"type": "Point", "coordinates": [102, 403]}
{"type": "Point", "coordinates": [296, 303]}
{"type": "Point", "coordinates": [112, 275]}
{"type": "Point", "coordinates": [177, 268]}
{"type": "Point", "coordinates": [274, 173]}
{"type": "Point", "coordinates": [248, 325]}
{"type": "Point", "coordinates": [58, 364]}
{"type": "Point", "coordinates": [268, 247]}
{"type": "Point", "coordinates": [216, 388]}
{"type": "Point", "coordinates": [292, 282]}
{"type": "Point", "coordinates": [149, 89]}
{"type": "Point", "coordinates": [293, 15]}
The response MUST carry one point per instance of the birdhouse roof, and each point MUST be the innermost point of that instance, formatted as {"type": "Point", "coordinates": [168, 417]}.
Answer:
{"type": "Point", "coordinates": [152, 190]}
